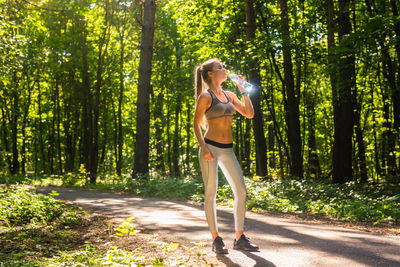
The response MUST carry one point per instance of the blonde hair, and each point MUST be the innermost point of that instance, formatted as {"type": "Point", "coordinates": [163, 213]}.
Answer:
{"type": "Point", "coordinates": [201, 75]}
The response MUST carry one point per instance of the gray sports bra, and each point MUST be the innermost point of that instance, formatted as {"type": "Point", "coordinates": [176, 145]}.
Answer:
{"type": "Point", "coordinates": [219, 109]}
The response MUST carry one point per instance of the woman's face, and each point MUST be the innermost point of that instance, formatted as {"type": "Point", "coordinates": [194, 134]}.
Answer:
{"type": "Point", "coordinates": [218, 73]}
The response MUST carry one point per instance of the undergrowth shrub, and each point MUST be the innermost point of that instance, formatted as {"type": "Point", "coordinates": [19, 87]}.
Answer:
{"type": "Point", "coordinates": [353, 201]}
{"type": "Point", "coordinates": [19, 206]}
{"type": "Point", "coordinates": [360, 202]}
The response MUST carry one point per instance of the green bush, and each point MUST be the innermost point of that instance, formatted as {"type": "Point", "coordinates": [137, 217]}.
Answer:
{"type": "Point", "coordinates": [19, 206]}
{"type": "Point", "coordinates": [360, 202]}
{"type": "Point", "coordinates": [167, 187]}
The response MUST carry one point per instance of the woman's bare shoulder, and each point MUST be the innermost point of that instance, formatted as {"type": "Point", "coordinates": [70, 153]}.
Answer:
{"type": "Point", "coordinates": [205, 96]}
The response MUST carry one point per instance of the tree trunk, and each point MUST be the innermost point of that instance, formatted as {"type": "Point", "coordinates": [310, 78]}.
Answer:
{"type": "Point", "coordinates": [169, 145]}
{"type": "Point", "coordinates": [41, 132]}
{"type": "Point", "coordinates": [238, 143]}
{"type": "Point", "coordinates": [246, 142]}
{"type": "Point", "coordinates": [396, 91]}
{"type": "Point", "coordinates": [175, 142]}
{"type": "Point", "coordinates": [361, 159]}
{"type": "Point", "coordinates": [274, 130]}
{"type": "Point", "coordinates": [159, 125]}
{"type": "Point", "coordinates": [52, 132]}
{"type": "Point", "coordinates": [342, 147]}
{"type": "Point", "coordinates": [292, 109]}
{"type": "Point", "coordinates": [94, 152]}
{"type": "Point", "coordinates": [389, 134]}
{"type": "Point", "coordinates": [141, 165]}
{"type": "Point", "coordinates": [332, 62]}
{"type": "Point", "coordinates": [5, 135]}
{"type": "Point", "coordinates": [58, 121]}
{"type": "Point", "coordinates": [376, 146]}
{"type": "Point", "coordinates": [357, 107]}
{"type": "Point", "coordinates": [104, 140]}
{"type": "Point", "coordinates": [360, 143]}
{"type": "Point", "coordinates": [271, 143]}
{"type": "Point", "coordinates": [86, 146]}
{"type": "Point", "coordinates": [69, 130]}
{"type": "Point", "coordinates": [254, 75]}
{"type": "Point", "coordinates": [188, 133]}
{"type": "Point", "coordinates": [14, 128]}
{"type": "Point", "coordinates": [24, 125]}
{"type": "Point", "coordinates": [120, 138]}
{"type": "Point", "coordinates": [314, 168]}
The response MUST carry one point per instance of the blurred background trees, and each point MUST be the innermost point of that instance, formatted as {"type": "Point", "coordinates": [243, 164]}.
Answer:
{"type": "Point", "coordinates": [327, 74]}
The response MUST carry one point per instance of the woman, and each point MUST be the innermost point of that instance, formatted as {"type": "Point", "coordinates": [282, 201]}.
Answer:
{"type": "Point", "coordinates": [218, 107]}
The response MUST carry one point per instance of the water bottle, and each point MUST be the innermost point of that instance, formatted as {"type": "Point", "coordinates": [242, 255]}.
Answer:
{"type": "Point", "coordinates": [235, 78]}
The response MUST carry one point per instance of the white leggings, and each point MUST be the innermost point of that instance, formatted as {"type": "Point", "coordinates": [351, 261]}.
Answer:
{"type": "Point", "coordinates": [226, 159]}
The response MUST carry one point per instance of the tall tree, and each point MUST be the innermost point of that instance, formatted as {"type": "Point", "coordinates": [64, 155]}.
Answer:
{"type": "Point", "coordinates": [254, 73]}
{"type": "Point", "coordinates": [14, 126]}
{"type": "Point", "coordinates": [396, 91]}
{"type": "Point", "coordinates": [342, 146]}
{"type": "Point", "coordinates": [102, 51]}
{"type": "Point", "coordinates": [141, 164]}
{"type": "Point", "coordinates": [292, 105]}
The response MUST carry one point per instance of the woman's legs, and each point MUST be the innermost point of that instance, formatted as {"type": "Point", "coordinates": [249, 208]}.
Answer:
{"type": "Point", "coordinates": [226, 159]}
{"type": "Point", "coordinates": [209, 170]}
{"type": "Point", "coordinates": [229, 164]}
{"type": "Point", "coordinates": [233, 173]}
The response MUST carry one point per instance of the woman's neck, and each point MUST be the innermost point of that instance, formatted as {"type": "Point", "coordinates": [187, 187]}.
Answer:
{"type": "Point", "coordinates": [216, 87]}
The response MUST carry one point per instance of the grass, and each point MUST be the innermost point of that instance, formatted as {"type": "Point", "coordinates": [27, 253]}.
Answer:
{"type": "Point", "coordinates": [92, 240]}
{"type": "Point", "coordinates": [375, 203]}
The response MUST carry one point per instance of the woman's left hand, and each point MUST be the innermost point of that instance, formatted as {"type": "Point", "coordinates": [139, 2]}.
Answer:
{"type": "Point", "coordinates": [241, 89]}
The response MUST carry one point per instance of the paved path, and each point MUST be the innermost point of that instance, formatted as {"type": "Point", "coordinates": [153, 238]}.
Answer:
{"type": "Point", "coordinates": [283, 242]}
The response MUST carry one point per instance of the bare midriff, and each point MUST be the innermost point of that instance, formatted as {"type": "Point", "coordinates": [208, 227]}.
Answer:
{"type": "Point", "coordinates": [220, 130]}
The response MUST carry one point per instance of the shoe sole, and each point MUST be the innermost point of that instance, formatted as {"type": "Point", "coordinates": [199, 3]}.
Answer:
{"type": "Point", "coordinates": [221, 252]}
{"type": "Point", "coordinates": [248, 250]}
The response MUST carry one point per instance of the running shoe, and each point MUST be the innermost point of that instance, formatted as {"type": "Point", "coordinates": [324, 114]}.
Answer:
{"type": "Point", "coordinates": [243, 243]}
{"type": "Point", "coordinates": [218, 246]}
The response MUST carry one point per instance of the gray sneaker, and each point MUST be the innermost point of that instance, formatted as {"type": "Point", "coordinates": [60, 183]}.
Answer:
{"type": "Point", "coordinates": [218, 246]}
{"type": "Point", "coordinates": [243, 243]}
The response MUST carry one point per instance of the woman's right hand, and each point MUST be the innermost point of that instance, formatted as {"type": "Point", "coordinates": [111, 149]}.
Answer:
{"type": "Point", "coordinates": [208, 156]}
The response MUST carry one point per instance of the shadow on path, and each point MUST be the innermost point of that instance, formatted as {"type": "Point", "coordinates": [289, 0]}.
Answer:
{"type": "Point", "coordinates": [260, 262]}
{"type": "Point", "coordinates": [227, 261]}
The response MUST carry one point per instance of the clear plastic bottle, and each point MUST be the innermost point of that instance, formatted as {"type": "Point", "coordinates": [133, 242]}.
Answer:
{"type": "Point", "coordinates": [235, 78]}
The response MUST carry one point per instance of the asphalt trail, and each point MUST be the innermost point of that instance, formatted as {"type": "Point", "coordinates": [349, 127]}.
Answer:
{"type": "Point", "coordinates": [283, 242]}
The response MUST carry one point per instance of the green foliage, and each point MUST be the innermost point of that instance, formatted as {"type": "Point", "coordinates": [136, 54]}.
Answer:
{"type": "Point", "coordinates": [353, 201]}
{"type": "Point", "coordinates": [92, 255]}
{"type": "Point", "coordinates": [168, 187]}
{"type": "Point", "coordinates": [20, 206]}
{"type": "Point", "coordinates": [52, 243]}
{"type": "Point", "coordinates": [359, 202]}
{"type": "Point", "coordinates": [54, 53]}
{"type": "Point", "coordinates": [126, 228]}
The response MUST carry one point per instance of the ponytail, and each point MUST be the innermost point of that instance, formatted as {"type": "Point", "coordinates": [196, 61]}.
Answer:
{"type": "Point", "coordinates": [198, 82]}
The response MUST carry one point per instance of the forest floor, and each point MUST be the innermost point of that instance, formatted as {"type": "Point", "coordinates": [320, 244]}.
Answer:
{"type": "Point", "coordinates": [284, 239]}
